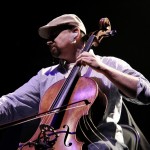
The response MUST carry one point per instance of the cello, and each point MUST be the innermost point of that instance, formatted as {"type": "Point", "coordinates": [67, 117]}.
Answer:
{"type": "Point", "coordinates": [68, 104]}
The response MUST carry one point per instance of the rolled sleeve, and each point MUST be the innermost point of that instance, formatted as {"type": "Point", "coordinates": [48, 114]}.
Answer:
{"type": "Point", "coordinates": [143, 91]}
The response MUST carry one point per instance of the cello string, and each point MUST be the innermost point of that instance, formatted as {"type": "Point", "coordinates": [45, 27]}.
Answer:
{"type": "Point", "coordinates": [64, 87]}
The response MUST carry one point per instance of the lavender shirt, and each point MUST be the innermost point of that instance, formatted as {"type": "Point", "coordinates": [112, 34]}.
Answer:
{"type": "Point", "coordinates": [25, 100]}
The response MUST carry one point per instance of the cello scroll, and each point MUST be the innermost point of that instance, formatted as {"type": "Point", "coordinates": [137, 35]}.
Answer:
{"type": "Point", "coordinates": [105, 31]}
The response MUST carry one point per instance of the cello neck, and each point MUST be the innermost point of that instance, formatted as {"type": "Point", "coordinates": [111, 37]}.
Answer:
{"type": "Point", "coordinates": [71, 78]}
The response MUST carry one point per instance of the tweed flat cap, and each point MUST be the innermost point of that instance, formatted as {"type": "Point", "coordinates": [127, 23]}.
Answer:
{"type": "Point", "coordinates": [66, 19]}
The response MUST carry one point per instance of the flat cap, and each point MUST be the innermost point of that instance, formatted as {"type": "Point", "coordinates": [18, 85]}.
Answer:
{"type": "Point", "coordinates": [66, 19]}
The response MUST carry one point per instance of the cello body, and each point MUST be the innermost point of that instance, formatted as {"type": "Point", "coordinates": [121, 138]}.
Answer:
{"type": "Point", "coordinates": [63, 134]}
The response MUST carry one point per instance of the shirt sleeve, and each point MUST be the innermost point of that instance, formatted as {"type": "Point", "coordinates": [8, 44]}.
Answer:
{"type": "Point", "coordinates": [143, 86]}
{"type": "Point", "coordinates": [21, 102]}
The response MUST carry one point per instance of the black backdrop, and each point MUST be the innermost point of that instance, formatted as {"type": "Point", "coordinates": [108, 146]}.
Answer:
{"type": "Point", "coordinates": [23, 52]}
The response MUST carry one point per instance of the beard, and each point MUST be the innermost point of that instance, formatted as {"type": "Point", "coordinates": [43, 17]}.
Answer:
{"type": "Point", "coordinates": [55, 52]}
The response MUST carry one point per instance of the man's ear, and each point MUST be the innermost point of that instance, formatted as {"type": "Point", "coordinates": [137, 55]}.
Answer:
{"type": "Point", "coordinates": [73, 37]}
{"type": "Point", "coordinates": [76, 32]}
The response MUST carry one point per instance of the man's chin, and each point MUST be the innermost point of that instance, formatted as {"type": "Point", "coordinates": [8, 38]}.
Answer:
{"type": "Point", "coordinates": [55, 53]}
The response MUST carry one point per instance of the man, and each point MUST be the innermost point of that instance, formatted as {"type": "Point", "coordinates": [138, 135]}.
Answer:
{"type": "Point", "coordinates": [115, 78]}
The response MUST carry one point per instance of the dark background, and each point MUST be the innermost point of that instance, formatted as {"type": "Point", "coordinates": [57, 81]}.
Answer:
{"type": "Point", "coordinates": [23, 53]}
